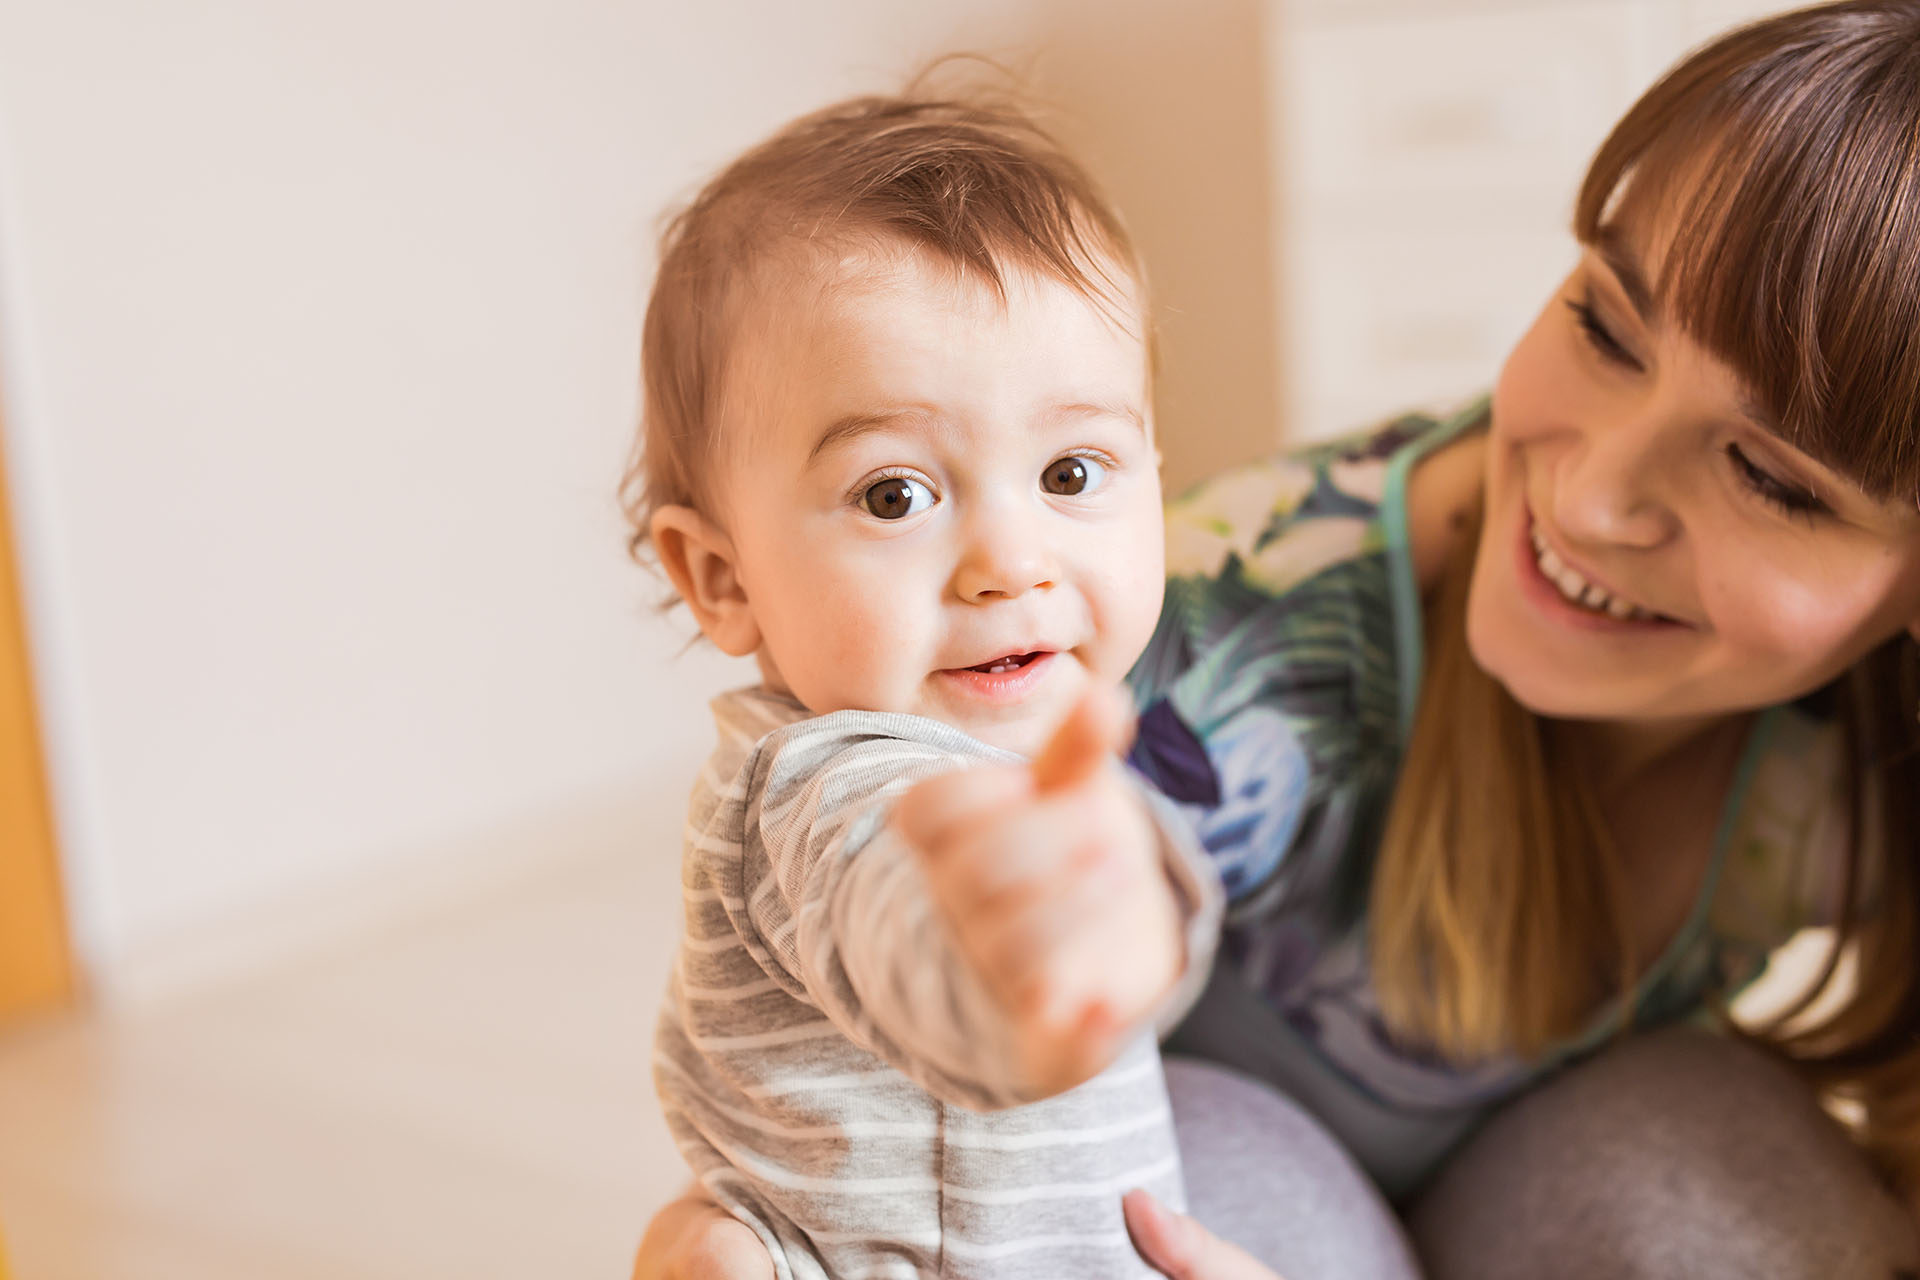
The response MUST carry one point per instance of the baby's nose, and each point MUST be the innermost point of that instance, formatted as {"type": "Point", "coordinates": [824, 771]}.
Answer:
{"type": "Point", "coordinates": [1001, 563]}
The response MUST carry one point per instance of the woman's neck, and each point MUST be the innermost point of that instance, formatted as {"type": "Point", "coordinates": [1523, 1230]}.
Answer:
{"type": "Point", "coordinates": [1624, 754]}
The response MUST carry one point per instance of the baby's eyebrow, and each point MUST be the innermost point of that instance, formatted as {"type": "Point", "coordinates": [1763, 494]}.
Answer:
{"type": "Point", "coordinates": [1099, 409]}
{"type": "Point", "coordinates": [844, 430]}
{"type": "Point", "coordinates": [855, 425]}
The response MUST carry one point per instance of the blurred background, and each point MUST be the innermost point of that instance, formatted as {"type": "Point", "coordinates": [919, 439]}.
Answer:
{"type": "Point", "coordinates": [342, 754]}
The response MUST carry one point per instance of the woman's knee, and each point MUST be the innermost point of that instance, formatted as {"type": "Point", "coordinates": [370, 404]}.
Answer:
{"type": "Point", "coordinates": [1674, 1153]}
{"type": "Point", "coordinates": [1266, 1176]}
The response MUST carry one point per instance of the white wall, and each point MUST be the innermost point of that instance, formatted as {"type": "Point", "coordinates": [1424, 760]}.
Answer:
{"type": "Point", "coordinates": [319, 334]}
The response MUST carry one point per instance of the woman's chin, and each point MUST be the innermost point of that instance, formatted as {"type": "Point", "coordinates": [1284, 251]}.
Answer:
{"type": "Point", "coordinates": [1538, 685]}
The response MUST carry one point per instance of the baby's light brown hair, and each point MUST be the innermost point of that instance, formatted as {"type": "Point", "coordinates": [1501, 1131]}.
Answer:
{"type": "Point", "coordinates": [969, 179]}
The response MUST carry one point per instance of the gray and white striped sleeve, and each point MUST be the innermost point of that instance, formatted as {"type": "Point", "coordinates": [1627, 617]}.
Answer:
{"type": "Point", "coordinates": [840, 900]}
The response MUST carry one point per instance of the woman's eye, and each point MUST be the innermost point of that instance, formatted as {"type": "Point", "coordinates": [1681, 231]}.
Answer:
{"type": "Point", "coordinates": [896, 497]}
{"type": "Point", "coordinates": [1073, 475]}
{"type": "Point", "coordinates": [1599, 337]}
{"type": "Point", "coordinates": [1790, 498]}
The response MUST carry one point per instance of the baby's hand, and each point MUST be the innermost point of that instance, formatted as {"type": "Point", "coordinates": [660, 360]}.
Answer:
{"type": "Point", "coordinates": [1050, 877]}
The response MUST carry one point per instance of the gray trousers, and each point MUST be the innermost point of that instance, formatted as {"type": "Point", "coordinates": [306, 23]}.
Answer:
{"type": "Point", "coordinates": [1674, 1154]}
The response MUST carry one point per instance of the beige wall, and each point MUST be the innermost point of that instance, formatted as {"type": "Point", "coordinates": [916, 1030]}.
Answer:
{"type": "Point", "coordinates": [1169, 105]}
{"type": "Point", "coordinates": [320, 324]}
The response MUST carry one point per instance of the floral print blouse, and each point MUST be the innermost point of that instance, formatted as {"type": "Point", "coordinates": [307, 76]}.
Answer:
{"type": "Point", "coordinates": [1275, 698]}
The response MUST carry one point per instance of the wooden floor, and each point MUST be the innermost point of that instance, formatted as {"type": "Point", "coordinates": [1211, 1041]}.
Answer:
{"type": "Point", "coordinates": [462, 1096]}
{"type": "Point", "coordinates": [465, 1096]}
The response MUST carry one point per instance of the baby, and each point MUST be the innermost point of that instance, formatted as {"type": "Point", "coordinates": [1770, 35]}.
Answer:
{"type": "Point", "coordinates": [898, 448]}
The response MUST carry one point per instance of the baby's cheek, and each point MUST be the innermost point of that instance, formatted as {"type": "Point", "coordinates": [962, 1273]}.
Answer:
{"type": "Point", "coordinates": [1139, 582]}
{"type": "Point", "coordinates": [862, 639]}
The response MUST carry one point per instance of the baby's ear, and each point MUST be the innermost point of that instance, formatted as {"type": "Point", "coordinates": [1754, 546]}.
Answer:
{"type": "Point", "coordinates": [699, 557]}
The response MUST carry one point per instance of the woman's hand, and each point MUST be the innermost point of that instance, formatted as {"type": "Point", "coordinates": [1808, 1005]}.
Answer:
{"type": "Point", "coordinates": [695, 1239]}
{"type": "Point", "coordinates": [1181, 1248]}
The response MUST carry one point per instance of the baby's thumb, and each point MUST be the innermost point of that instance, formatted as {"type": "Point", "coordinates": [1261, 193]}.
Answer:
{"type": "Point", "coordinates": [1099, 727]}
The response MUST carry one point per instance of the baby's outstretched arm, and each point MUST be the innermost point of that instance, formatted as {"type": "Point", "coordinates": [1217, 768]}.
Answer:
{"type": "Point", "coordinates": [995, 932]}
{"type": "Point", "coordinates": [1052, 880]}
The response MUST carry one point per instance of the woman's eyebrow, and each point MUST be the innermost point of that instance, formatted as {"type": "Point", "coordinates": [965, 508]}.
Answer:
{"type": "Point", "coordinates": [1611, 244]}
{"type": "Point", "coordinates": [1760, 416]}
{"type": "Point", "coordinates": [1830, 481]}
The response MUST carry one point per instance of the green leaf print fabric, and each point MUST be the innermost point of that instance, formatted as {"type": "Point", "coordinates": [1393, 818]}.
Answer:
{"type": "Point", "coordinates": [1273, 699]}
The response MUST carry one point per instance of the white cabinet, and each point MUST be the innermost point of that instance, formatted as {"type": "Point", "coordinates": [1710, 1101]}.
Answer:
{"type": "Point", "coordinates": [1428, 156]}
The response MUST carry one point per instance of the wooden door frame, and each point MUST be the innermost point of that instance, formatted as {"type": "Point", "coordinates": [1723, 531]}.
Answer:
{"type": "Point", "coordinates": [36, 966]}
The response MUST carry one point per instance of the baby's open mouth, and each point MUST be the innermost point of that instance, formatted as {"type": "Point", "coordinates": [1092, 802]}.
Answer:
{"type": "Point", "coordinates": [1002, 681]}
{"type": "Point", "coordinates": [1012, 662]}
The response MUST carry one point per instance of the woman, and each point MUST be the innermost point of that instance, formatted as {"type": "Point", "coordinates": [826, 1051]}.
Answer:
{"type": "Point", "coordinates": [1514, 731]}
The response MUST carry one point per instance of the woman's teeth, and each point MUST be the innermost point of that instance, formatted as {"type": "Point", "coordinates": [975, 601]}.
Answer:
{"type": "Point", "coordinates": [1578, 590]}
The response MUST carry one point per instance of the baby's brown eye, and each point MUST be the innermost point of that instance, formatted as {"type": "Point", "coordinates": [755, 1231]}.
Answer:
{"type": "Point", "coordinates": [896, 497]}
{"type": "Point", "coordinates": [1073, 475]}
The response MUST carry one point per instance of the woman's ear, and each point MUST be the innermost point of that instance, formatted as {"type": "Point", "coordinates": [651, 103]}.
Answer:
{"type": "Point", "coordinates": [699, 558]}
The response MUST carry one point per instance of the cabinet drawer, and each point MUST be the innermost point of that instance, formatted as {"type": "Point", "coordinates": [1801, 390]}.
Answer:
{"type": "Point", "coordinates": [1378, 319]}
{"type": "Point", "coordinates": [1470, 101]}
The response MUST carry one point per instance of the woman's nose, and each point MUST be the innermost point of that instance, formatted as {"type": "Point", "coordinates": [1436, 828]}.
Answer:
{"type": "Point", "coordinates": [1004, 557]}
{"type": "Point", "coordinates": [1612, 488]}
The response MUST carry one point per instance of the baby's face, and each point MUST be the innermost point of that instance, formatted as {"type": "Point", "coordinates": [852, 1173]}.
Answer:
{"type": "Point", "coordinates": [943, 504]}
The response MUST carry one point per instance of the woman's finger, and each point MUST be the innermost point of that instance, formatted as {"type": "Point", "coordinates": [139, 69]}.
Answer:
{"type": "Point", "coordinates": [1182, 1249]}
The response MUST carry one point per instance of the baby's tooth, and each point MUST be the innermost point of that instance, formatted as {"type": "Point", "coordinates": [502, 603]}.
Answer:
{"type": "Point", "coordinates": [1620, 609]}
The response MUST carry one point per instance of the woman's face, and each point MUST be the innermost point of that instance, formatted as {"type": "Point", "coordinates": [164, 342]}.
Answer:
{"type": "Point", "coordinates": [1652, 551]}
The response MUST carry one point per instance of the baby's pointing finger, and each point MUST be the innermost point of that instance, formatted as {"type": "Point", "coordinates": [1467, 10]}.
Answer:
{"type": "Point", "coordinates": [935, 812]}
{"type": "Point", "coordinates": [1099, 726]}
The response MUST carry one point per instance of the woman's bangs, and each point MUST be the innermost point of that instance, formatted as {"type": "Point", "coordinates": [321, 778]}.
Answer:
{"type": "Point", "coordinates": [1781, 220]}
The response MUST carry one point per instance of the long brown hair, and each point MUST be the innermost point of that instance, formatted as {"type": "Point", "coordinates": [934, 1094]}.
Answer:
{"type": "Point", "coordinates": [1784, 161]}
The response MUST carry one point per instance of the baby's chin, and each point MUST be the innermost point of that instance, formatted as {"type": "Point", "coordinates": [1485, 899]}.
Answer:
{"type": "Point", "coordinates": [1021, 739]}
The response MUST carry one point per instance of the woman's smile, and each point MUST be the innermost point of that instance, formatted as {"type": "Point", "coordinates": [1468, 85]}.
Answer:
{"type": "Point", "coordinates": [1569, 596]}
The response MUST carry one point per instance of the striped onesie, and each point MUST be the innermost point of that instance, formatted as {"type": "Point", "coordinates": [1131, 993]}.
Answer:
{"type": "Point", "coordinates": [835, 1077]}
